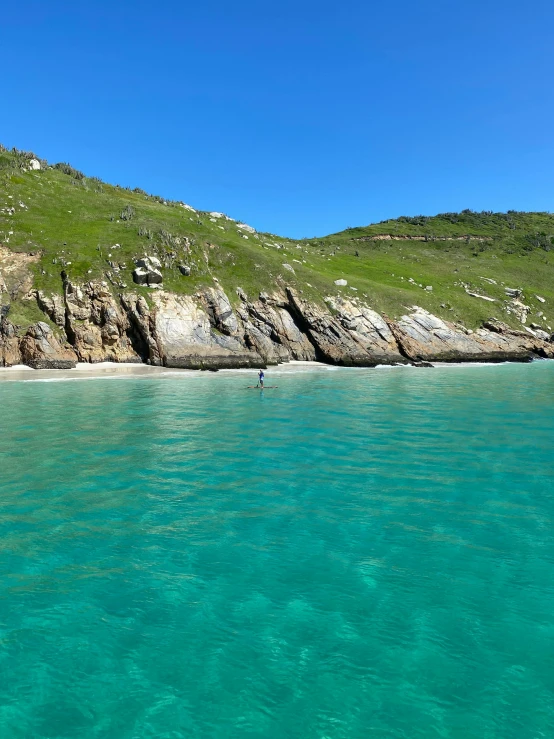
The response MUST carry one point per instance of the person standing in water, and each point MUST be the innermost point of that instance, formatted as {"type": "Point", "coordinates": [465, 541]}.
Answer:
{"type": "Point", "coordinates": [261, 378]}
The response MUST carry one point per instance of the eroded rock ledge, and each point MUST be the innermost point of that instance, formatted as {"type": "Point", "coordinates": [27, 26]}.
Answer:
{"type": "Point", "coordinates": [205, 331]}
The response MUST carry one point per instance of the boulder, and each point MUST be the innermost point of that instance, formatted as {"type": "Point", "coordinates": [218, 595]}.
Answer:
{"type": "Point", "coordinates": [147, 276]}
{"type": "Point", "coordinates": [148, 271]}
{"type": "Point", "coordinates": [518, 309]}
{"type": "Point", "coordinates": [246, 227]}
{"type": "Point", "coordinates": [184, 269]}
{"type": "Point", "coordinates": [482, 297]}
{"type": "Point", "coordinates": [341, 283]}
{"type": "Point", "coordinates": [148, 262]}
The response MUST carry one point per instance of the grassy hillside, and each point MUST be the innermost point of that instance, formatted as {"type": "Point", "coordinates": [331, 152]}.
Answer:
{"type": "Point", "coordinates": [95, 230]}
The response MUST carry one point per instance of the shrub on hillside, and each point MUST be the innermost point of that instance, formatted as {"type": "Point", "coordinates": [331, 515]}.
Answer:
{"type": "Point", "coordinates": [97, 184]}
{"type": "Point", "coordinates": [69, 170]}
{"type": "Point", "coordinates": [145, 232]}
{"type": "Point", "coordinates": [127, 213]}
{"type": "Point", "coordinates": [414, 220]}
{"type": "Point", "coordinates": [539, 240]}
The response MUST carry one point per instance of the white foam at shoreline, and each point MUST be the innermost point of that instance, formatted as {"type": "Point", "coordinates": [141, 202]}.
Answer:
{"type": "Point", "coordinates": [127, 370]}
{"type": "Point", "coordinates": [87, 366]}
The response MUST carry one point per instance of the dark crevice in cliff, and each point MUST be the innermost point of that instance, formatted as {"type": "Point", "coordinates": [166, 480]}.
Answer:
{"type": "Point", "coordinates": [137, 343]}
{"type": "Point", "coordinates": [68, 327]}
{"type": "Point", "coordinates": [400, 345]}
{"type": "Point", "coordinates": [136, 339]}
{"type": "Point", "coordinates": [137, 331]}
{"type": "Point", "coordinates": [303, 326]}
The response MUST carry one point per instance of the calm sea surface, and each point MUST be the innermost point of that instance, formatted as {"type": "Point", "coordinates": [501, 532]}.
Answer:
{"type": "Point", "coordinates": [360, 553]}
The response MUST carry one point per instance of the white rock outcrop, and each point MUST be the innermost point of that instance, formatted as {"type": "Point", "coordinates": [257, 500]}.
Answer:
{"type": "Point", "coordinates": [246, 227]}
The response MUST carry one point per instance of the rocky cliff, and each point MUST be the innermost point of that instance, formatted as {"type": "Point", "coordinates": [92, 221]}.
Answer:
{"type": "Point", "coordinates": [91, 272]}
{"type": "Point", "coordinates": [89, 323]}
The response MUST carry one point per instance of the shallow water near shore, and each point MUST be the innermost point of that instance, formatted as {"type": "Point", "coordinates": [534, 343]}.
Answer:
{"type": "Point", "coordinates": [359, 553]}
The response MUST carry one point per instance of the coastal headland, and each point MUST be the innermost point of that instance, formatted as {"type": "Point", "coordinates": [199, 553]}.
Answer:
{"type": "Point", "coordinates": [94, 273]}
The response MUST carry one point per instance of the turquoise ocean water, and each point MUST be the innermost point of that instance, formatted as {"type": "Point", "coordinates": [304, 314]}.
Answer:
{"type": "Point", "coordinates": [360, 553]}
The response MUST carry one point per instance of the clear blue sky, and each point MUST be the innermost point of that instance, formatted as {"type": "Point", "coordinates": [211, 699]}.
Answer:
{"type": "Point", "coordinates": [300, 117]}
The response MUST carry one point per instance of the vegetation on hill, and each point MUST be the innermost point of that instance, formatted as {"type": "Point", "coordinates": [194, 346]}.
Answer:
{"type": "Point", "coordinates": [93, 230]}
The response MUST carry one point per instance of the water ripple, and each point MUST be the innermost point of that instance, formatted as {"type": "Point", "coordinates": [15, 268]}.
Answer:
{"type": "Point", "coordinates": [359, 554]}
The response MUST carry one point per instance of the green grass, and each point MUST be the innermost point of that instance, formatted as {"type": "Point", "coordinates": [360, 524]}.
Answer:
{"type": "Point", "coordinates": [73, 219]}
{"type": "Point", "coordinates": [25, 313]}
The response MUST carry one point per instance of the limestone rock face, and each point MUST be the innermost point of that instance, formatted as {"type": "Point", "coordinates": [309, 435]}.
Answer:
{"type": "Point", "coordinates": [9, 344]}
{"type": "Point", "coordinates": [368, 329]}
{"type": "Point", "coordinates": [219, 309]}
{"type": "Point", "coordinates": [424, 337]}
{"type": "Point", "coordinates": [205, 331]}
{"type": "Point", "coordinates": [142, 322]}
{"type": "Point", "coordinates": [271, 330]}
{"type": "Point", "coordinates": [337, 344]}
{"type": "Point", "coordinates": [53, 306]}
{"type": "Point", "coordinates": [541, 334]}
{"type": "Point", "coordinates": [270, 351]}
{"type": "Point", "coordinates": [535, 343]}
{"type": "Point", "coordinates": [40, 349]}
{"type": "Point", "coordinates": [96, 325]}
{"type": "Point", "coordinates": [15, 275]}
{"type": "Point", "coordinates": [185, 337]}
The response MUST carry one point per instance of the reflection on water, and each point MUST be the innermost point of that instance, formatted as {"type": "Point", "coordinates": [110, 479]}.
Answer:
{"type": "Point", "coordinates": [358, 553]}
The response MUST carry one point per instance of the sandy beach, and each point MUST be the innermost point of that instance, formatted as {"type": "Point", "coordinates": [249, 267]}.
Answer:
{"type": "Point", "coordinates": [113, 370]}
